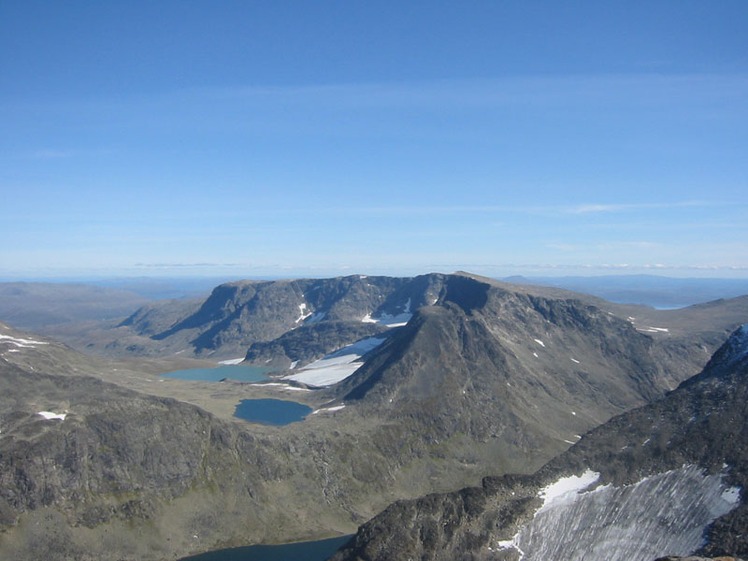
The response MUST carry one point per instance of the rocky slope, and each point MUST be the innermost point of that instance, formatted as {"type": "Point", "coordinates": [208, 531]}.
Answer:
{"type": "Point", "coordinates": [89, 470]}
{"type": "Point", "coordinates": [667, 478]}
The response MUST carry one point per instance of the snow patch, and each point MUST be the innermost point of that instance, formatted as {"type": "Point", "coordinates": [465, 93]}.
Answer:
{"type": "Point", "coordinates": [230, 361]}
{"type": "Point", "coordinates": [648, 329]}
{"type": "Point", "coordinates": [397, 320]}
{"type": "Point", "coordinates": [566, 488]}
{"type": "Point", "coordinates": [52, 416]}
{"type": "Point", "coordinates": [328, 409]}
{"type": "Point", "coordinates": [20, 342]}
{"type": "Point", "coordinates": [335, 366]}
{"type": "Point", "coordinates": [303, 314]}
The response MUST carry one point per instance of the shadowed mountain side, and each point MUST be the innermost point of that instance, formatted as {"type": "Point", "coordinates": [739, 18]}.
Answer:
{"type": "Point", "coordinates": [693, 440]}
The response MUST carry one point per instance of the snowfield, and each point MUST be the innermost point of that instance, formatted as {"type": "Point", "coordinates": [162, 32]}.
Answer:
{"type": "Point", "coordinates": [391, 321]}
{"type": "Point", "coordinates": [665, 513]}
{"type": "Point", "coordinates": [336, 366]}
{"type": "Point", "coordinates": [232, 361]}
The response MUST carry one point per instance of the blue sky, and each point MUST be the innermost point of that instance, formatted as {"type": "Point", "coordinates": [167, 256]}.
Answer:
{"type": "Point", "coordinates": [272, 138]}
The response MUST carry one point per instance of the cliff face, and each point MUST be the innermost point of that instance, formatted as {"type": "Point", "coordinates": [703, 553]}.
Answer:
{"type": "Point", "coordinates": [654, 481]}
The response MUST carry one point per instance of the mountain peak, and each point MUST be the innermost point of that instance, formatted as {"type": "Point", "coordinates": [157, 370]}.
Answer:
{"type": "Point", "coordinates": [736, 348]}
{"type": "Point", "coordinates": [728, 362]}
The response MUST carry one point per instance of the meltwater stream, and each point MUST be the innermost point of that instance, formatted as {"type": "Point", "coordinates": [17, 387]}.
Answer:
{"type": "Point", "coordinates": [663, 514]}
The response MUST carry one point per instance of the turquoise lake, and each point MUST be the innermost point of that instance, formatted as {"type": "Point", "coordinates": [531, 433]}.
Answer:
{"type": "Point", "coordinates": [271, 411]}
{"type": "Point", "coordinates": [238, 372]}
{"type": "Point", "coordinates": [303, 551]}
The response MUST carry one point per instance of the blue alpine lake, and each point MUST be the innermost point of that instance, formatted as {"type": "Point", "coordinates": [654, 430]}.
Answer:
{"type": "Point", "coordinates": [302, 551]}
{"type": "Point", "coordinates": [238, 372]}
{"type": "Point", "coordinates": [271, 411]}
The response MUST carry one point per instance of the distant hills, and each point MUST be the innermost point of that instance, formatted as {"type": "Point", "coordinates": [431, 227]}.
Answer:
{"type": "Point", "coordinates": [647, 290]}
{"type": "Point", "coordinates": [34, 305]}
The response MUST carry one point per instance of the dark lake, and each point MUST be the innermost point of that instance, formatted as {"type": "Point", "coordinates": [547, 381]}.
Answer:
{"type": "Point", "coordinates": [271, 411]}
{"type": "Point", "coordinates": [236, 372]}
{"type": "Point", "coordinates": [303, 551]}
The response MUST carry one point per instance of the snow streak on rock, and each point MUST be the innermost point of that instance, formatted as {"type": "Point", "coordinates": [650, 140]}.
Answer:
{"type": "Point", "coordinates": [20, 342]}
{"type": "Point", "coordinates": [663, 514]}
{"type": "Point", "coordinates": [50, 416]}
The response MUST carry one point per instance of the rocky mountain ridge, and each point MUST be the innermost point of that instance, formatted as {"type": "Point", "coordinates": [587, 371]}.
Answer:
{"type": "Point", "coordinates": [694, 440]}
{"type": "Point", "coordinates": [240, 314]}
{"type": "Point", "coordinates": [259, 319]}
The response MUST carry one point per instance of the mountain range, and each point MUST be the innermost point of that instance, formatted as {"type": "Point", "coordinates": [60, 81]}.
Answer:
{"type": "Point", "coordinates": [472, 378]}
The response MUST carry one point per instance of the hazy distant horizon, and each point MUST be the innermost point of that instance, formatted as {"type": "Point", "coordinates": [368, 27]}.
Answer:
{"type": "Point", "coordinates": [490, 272]}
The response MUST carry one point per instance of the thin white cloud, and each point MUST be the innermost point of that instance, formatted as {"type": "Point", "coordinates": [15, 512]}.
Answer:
{"type": "Point", "coordinates": [51, 154]}
{"type": "Point", "coordinates": [643, 88]}
{"type": "Point", "coordinates": [592, 208]}
{"type": "Point", "coordinates": [63, 153]}
{"type": "Point", "coordinates": [561, 209]}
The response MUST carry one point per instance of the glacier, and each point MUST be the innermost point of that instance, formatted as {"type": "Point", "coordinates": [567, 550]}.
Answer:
{"type": "Point", "coordinates": [664, 514]}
